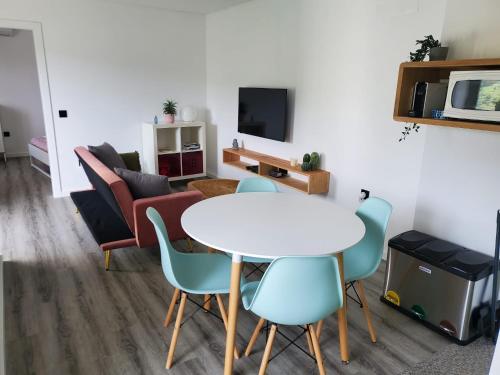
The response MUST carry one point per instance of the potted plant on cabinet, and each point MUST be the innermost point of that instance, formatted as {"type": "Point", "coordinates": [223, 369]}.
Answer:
{"type": "Point", "coordinates": [170, 110]}
{"type": "Point", "coordinates": [429, 46]}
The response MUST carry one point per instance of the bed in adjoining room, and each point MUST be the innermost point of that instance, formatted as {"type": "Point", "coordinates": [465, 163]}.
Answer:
{"type": "Point", "coordinates": [39, 155]}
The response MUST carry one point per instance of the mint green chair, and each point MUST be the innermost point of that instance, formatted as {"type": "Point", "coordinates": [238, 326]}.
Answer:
{"type": "Point", "coordinates": [363, 259]}
{"type": "Point", "coordinates": [256, 185]}
{"type": "Point", "coordinates": [294, 291]}
{"type": "Point", "coordinates": [190, 273]}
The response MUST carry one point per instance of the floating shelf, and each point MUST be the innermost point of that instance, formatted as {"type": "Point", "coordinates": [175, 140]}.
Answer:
{"type": "Point", "coordinates": [433, 71]}
{"type": "Point", "coordinates": [315, 182]}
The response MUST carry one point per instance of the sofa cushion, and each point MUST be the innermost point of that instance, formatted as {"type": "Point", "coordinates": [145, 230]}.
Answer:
{"type": "Point", "coordinates": [131, 160]}
{"type": "Point", "coordinates": [107, 155]}
{"type": "Point", "coordinates": [108, 184]}
{"type": "Point", "coordinates": [143, 185]}
{"type": "Point", "coordinates": [104, 224]}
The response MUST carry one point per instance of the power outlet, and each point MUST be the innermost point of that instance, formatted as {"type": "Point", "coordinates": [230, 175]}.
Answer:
{"type": "Point", "coordinates": [6, 134]}
{"type": "Point", "coordinates": [365, 194]}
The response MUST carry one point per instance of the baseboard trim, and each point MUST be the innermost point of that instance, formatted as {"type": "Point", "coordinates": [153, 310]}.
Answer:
{"type": "Point", "coordinates": [212, 175]}
{"type": "Point", "coordinates": [17, 154]}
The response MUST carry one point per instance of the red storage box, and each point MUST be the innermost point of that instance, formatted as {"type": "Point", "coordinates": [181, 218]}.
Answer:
{"type": "Point", "coordinates": [192, 163]}
{"type": "Point", "coordinates": [169, 165]}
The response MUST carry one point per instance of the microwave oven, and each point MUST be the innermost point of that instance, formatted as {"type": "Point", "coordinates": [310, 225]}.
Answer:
{"type": "Point", "coordinates": [474, 95]}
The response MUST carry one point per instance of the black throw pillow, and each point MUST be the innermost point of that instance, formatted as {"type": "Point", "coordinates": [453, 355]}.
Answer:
{"type": "Point", "coordinates": [144, 185]}
{"type": "Point", "coordinates": [108, 156]}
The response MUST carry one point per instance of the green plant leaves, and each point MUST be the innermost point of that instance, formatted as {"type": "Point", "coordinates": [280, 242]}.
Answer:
{"type": "Point", "coordinates": [170, 107]}
{"type": "Point", "coordinates": [425, 46]}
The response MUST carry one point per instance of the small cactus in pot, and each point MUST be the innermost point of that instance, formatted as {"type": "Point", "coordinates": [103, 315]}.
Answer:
{"type": "Point", "coordinates": [310, 162]}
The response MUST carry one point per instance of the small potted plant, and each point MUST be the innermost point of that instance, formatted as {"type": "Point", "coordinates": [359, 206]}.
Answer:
{"type": "Point", "coordinates": [429, 46]}
{"type": "Point", "coordinates": [170, 110]}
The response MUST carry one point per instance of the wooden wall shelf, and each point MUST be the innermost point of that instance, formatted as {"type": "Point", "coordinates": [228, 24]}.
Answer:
{"type": "Point", "coordinates": [315, 182]}
{"type": "Point", "coordinates": [433, 71]}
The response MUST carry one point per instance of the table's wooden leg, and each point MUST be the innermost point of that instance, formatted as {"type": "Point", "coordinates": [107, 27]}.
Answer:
{"type": "Point", "coordinates": [342, 315]}
{"type": "Point", "coordinates": [234, 298]}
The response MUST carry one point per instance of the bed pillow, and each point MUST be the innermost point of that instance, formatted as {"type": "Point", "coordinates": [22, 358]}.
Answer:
{"type": "Point", "coordinates": [108, 156]}
{"type": "Point", "coordinates": [142, 185]}
{"type": "Point", "coordinates": [131, 160]}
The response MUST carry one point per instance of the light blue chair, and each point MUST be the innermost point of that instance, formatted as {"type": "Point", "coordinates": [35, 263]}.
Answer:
{"type": "Point", "coordinates": [294, 291]}
{"type": "Point", "coordinates": [190, 273]}
{"type": "Point", "coordinates": [362, 260]}
{"type": "Point", "coordinates": [256, 185]}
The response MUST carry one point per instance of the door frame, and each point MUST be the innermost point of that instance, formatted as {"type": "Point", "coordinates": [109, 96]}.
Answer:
{"type": "Point", "coordinates": [43, 79]}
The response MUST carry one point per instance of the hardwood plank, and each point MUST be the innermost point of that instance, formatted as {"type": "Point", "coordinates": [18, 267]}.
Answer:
{"type": "Point", "coordinates": [65, 315]}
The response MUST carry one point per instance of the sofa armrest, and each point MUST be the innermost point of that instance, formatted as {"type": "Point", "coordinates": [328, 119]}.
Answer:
{"type": "Point", "coordinates": [170, 207]}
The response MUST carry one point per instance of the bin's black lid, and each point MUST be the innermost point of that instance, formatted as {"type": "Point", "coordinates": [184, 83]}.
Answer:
{"type": "Point", "coordinates": [410, 240]}
{"type": "Point", "coordinates": [436, 251]}
{"type": "Point", "coordinates": [470, 265]}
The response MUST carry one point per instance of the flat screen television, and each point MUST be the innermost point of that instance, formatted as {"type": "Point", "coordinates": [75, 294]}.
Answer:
{"type": "Point", "coordinates": [262, 112]}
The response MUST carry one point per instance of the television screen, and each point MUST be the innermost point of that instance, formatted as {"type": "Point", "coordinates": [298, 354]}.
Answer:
{"type": "Point", "coordinates": [262, 112]}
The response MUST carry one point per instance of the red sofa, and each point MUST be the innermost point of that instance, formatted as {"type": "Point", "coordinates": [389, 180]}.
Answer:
{"type": "Point", "coordinates": [115, 219]}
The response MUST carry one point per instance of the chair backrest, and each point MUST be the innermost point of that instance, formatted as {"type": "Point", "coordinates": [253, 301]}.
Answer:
{"type": "Point", "coordinates": [169, 256]}
{"type": "Point", "coordinates": [256, 185]}
{"type": "Point", "coordinates": [298, 290]}
{"type": "Point", "coordinates": [363, 259]}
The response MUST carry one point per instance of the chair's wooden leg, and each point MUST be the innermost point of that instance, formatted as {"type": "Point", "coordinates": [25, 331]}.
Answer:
{"type": "Point", "coordinates": [309, 341]}
{"type": "Point", "coordinates": [107, 259]}
{"type": "Point", "coordinates": [223, 314]}
{"type": "Point", "coordinates": [319, 328]}
{"type": "Point", "coordinates": [366, 311]}
{"type": "Point", "coordinates": [207, 303]}
{"type": "Point", "coordinates": [190, 243]}
{"type": "Point", "coordinates": [267, 351]}
{"type": "Point", "coordinates": [177, 329]}
{"type": "Point", "coordinates": [317, 350]}
{"type": "Point", "coordinates": [254, 337]}
{"type": "Point", "coordinates": [171, 308]}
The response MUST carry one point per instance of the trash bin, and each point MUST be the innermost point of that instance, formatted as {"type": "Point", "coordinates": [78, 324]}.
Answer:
{"type": "Point", "coordinates": [440, 283]}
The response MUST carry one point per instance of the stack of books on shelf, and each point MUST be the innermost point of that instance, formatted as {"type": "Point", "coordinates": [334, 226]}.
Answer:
{"type": "Point", "coordinates": [191, 146]}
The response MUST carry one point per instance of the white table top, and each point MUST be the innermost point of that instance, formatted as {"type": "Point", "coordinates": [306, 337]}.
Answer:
{"type": "Point", "coordinates": [271, 225]}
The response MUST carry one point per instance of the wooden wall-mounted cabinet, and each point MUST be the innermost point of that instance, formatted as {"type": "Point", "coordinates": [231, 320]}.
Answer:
{"type": "Point", "coordinates": [433, 71]}
{"type": "Point", "coordinates": [312, 182]}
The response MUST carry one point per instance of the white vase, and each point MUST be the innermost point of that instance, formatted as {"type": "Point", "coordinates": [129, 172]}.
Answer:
{"type": "Point", "coordinates": [189, 114]}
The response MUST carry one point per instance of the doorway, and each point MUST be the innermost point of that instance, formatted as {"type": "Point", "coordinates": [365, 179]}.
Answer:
{"type": "Point", "coordinates": [34, 110]}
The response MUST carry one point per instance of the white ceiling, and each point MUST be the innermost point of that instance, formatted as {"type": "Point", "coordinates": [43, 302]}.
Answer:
{"type": "Point", "coordinates": [193, 6]}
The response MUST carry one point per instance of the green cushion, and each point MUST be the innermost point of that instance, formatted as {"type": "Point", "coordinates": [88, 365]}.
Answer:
{"type": "Point", "coordinates": [131, 160]}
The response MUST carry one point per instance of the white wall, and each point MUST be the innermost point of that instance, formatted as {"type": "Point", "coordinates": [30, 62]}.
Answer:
{"type": "Point", "coordinates": [460, 183]}
{"type": "Point", "coordinates": [340, 61]}
{"type": "Point", "coordinates": [20, 103]}
{"type": "Point", "coordinates": [111, 66]}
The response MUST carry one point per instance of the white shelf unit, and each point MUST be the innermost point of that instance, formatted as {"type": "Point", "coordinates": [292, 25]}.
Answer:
{"type": "Point", "coordinates": [162, 150]}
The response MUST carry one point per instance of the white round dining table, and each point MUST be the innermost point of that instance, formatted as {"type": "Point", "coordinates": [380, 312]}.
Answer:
{"type": "Point", "coordinates": [272, 225]}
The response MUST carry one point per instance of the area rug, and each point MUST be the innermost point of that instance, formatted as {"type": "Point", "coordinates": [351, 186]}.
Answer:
{"type": "Point", "coordinates": [473, 359]}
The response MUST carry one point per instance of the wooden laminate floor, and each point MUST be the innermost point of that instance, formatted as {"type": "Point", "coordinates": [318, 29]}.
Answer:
{"type": "Point", "coordinates": [65, 315]}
